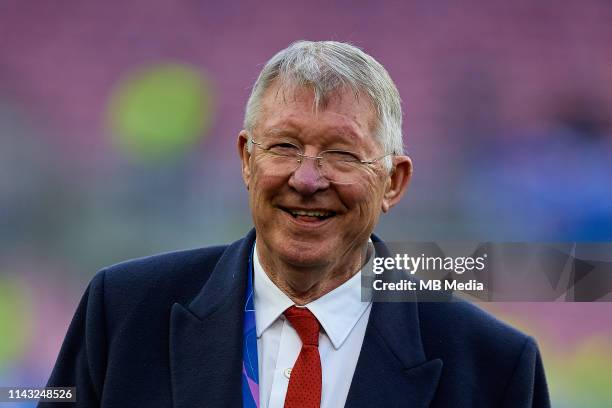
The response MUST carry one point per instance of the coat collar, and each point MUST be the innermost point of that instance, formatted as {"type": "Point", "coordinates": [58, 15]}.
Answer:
{"type": "Point", "coordinates": [392, 368]}
{"type": "Point", "coordinates": [206, 336]}
{"type": "Point", "coordinates": [206, 346]}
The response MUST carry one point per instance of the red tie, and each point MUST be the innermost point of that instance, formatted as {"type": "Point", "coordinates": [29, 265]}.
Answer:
{"type": "Point", "coordinates": [304, 389]}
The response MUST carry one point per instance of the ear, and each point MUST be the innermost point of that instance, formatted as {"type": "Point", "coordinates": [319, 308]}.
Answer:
{"type": "Point", "coordinates": [245, 156]}
{"type": "Point", "coordinates": [398, 182]}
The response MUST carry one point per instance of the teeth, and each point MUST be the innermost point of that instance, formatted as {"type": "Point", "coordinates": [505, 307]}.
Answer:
{"type": "Point", "coordinates": [310, 213]}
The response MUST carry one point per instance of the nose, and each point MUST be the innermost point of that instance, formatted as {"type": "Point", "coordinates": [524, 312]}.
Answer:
{"type": "Point", "coordinates": [307, 179]}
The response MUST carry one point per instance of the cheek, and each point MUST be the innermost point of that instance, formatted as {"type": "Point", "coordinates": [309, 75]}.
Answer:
{"type": "Point", "coordinates": [263, 176]}
{"type": "Point", "coordinates": [268, 185]}
{"type": "Point", "coordinates": [365, 199]}
{"type": "Point", "coordinates": [264, 186]}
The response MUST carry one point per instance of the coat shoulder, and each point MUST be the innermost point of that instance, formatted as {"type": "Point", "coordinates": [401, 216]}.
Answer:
{"type": "Point", "coordinates": [461, 327]}
{"type": "Point", "coordinates": [150, 286]}
{"type": "Point", "coordinates": [169, 267]}
{"type": "Point", "coordinates": [481, 354]}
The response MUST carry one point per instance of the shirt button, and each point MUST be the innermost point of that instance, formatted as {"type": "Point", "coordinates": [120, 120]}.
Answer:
{"type": "Point", "coordinates": [287, 372]}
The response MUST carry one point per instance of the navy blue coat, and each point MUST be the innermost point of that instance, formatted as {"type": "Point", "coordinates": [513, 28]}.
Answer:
{"type": "Point", "coordinates": [166, 331]}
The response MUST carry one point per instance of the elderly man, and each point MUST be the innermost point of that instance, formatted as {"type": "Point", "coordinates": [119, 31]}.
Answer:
{"type": "Point", "coordinates": [276, 318]}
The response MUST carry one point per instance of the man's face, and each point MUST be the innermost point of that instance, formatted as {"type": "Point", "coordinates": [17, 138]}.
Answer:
{"type": "Point", "coordinates": [347, 213]}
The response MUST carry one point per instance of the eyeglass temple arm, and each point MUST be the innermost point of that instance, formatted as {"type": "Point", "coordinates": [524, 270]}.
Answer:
{"type": "Point", "coordinates": [376, 159]}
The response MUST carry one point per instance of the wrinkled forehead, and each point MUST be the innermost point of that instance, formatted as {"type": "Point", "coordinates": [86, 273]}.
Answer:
{"type": "Point", "coordinates": [282, 96]}
{"type": "Point", "coordinates": [320, 94]}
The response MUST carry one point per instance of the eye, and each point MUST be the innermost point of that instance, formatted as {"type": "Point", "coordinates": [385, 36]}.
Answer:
{"type": "Point", "coordinates": [284, 149]}
{"type": "Point", "coordinates": [341, 156]}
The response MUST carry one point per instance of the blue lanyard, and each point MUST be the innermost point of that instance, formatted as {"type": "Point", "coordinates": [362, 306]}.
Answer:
{"type": "Point", "coordinates": [250, 369]}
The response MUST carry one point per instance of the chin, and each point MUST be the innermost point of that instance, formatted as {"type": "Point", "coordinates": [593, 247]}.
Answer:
{"type": "Point", "coordinates": [304, 254]}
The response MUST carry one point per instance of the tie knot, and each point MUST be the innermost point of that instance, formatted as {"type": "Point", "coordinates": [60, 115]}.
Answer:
{"type": "Point", "coordinates": [305, 323]}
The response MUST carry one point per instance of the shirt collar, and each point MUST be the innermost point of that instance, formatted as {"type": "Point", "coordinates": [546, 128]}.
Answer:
{"type": "Point", "coordinates": [338, 311]}
{"type": "Point", "coordinates": [270, 301]}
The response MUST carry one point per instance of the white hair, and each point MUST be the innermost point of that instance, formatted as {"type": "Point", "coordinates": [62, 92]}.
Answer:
{"type": "Point", "coordinates": [326, 66]}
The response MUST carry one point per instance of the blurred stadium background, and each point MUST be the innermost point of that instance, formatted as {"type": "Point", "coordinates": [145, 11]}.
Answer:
{"type": "Point", "coordinates": [118, 121]}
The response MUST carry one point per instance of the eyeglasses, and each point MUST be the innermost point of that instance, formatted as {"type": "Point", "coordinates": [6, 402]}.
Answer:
{"type": "Point", "coordinates": [337, 166]}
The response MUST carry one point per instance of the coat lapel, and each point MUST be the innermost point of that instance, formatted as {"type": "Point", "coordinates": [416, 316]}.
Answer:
{"type": "Point", "coordinates": [206, 336]}
{"type": "Point", "coordinates": [206, 347]}
{"type": "Point", "coordinates": [392, 369]}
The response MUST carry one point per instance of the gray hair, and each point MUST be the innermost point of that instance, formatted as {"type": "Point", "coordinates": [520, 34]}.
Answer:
{"type": "Point", "coordinates": [326, 66]}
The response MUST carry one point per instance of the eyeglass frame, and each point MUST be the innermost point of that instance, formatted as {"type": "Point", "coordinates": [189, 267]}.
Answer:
{"type": "Point", "coordinates": [301, 155]}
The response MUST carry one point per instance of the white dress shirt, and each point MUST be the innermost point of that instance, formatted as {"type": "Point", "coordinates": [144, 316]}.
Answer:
{"type": "Point", "coordinates": [343, 318]}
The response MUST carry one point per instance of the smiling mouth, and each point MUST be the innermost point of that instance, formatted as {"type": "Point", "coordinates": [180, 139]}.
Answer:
{"type": "Point", "coordinates": [309, 215]}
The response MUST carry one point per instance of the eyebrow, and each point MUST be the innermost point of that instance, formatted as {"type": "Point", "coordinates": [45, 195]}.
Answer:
{"type": "Point", "coordinates": [278, 131]}
{"type": "Point", "coordinates": [341, 135]}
